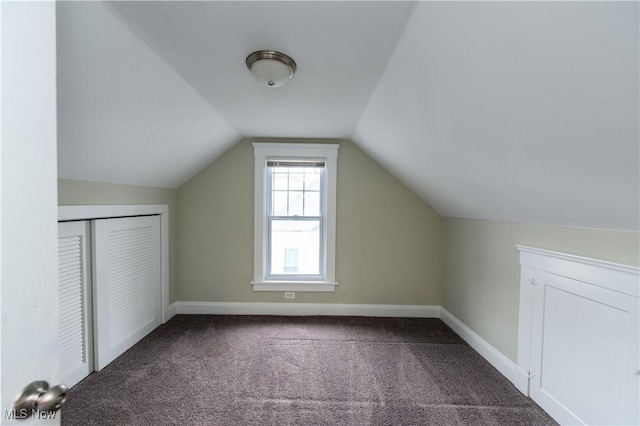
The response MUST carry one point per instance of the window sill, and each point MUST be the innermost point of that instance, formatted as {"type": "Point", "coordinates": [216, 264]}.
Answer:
{"type": "Point", "coordinates": [318, 286]}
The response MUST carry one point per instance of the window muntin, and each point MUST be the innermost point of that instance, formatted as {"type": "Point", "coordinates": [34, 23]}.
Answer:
{"type": "Point", "coordinates": [295, 219]}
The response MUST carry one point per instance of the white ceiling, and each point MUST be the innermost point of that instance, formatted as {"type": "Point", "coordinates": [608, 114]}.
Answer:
{"type": "Point", "coordinates": [512, 111]}
{"type": "Point", "coordinates": [515, 111]}
{"type": "Point", "coordinates": [340, 49]}
{"type": "Point", "coordinates": [124, 116]}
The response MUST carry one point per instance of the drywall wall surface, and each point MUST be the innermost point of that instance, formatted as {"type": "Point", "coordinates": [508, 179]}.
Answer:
{"type": "Point", "coordinates": [77, 192]}
{"type": "Point", "coordinates": [388, 240]}
{"type": "Point", "coordinates": [482, 269]}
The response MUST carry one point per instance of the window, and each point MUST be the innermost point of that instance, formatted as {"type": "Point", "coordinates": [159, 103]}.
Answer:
{"type": "Point", "coordinates": [295, 217]}
{"type": "Point", "coordinates": [290, 260]}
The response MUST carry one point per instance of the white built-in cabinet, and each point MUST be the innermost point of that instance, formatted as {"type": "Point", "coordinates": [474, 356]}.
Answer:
{"type": "Point", "coordinates": [110, 290]}
{"type": "Point", "coordinates": [578, 337]}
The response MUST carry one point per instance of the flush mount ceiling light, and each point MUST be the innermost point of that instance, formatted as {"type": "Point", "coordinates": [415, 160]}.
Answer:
{"type": "Point", "coordinates": [271, 68]}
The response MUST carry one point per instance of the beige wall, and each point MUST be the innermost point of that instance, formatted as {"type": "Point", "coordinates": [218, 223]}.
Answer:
{"type": "Point", "coordinates": [388, 239]}
{"type": "Point", "coordinates": [389, 243]}
{"type": "Point", "coordinates": [77, 192]}
{"type": "Point", "coordinates": [482, 270]}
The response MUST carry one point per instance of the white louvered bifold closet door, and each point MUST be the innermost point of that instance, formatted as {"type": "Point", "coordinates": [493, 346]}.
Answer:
{"type": "Point", "coordinates": [74, 297]}
{"type": "Point", "coordinates": [127, 275]}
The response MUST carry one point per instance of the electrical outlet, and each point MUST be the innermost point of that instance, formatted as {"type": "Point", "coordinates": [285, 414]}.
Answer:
{"type": "Point", "coordinates": [289, 294]}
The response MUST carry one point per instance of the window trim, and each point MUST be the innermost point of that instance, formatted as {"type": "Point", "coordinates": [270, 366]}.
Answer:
{"type": "Point", "coordinates": [263, 152]}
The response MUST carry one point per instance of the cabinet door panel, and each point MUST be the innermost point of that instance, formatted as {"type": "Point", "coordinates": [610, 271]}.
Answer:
{"type": "Point", "coordinates": [584, 352]}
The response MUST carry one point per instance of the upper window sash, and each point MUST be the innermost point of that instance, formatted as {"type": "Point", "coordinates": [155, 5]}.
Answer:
{"type": "Point", "coordinates": [312, 196]}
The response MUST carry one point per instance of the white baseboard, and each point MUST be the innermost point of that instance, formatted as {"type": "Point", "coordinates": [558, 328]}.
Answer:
{"type": "Point", "coordinates": [337, 309]}
{"type": "Point", "coordinates": [504, 365]}
{"type": "Point", "coordinates": [171, 312]}
{"type": "Point", "coordinates": [521, 381]}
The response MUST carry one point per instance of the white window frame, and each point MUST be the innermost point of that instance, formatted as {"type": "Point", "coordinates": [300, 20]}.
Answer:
{"type": "Point", "coordinates": [264, 152]}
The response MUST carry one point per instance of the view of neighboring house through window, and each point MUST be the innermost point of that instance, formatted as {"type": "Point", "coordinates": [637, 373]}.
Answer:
{"type": "Point", "coordinates": [291, 260]}
{"type": "Point", "coordinates": [295, 218]}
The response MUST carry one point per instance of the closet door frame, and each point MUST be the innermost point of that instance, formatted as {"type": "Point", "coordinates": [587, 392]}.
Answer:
{"type": "Point", "coordinates": [111, 211]}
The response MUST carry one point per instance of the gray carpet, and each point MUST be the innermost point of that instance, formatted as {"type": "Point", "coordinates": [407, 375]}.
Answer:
{"type": "Point", "coordinates": [260, 370]}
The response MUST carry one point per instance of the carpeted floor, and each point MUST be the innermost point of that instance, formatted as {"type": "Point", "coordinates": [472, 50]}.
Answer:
{"type": "Point", "coordinates": [260, 370]}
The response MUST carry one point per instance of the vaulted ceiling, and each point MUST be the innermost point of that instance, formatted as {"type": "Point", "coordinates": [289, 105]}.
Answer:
{"type": "Point", "coordinates": [512, 111]}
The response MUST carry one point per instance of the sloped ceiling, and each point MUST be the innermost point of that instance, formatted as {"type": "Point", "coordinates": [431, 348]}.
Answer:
{"type": "Point", "coordinates": [124, 115]}
{"type": "Point", "coordinates": [512, 111]}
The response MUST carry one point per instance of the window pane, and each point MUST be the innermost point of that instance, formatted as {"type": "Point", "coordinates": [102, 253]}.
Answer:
{"type": "Point", "coordinates": [280, 203]}
{"type": "Point", "coordinates": [312, 204]}
{"type": "Point", "coordinates": [291, 260]}
{"type": "Point", "coordinates": [312, 180]}
{"type": "Point", "coordinates": [291, 256]}
{"type": "Point", "coordinates": [279, 181]}
{"type": "Point", "coordinates": [295, 236]}
{"type": "Point", "coordinates": [296, 181]}
{"type": "Point", "coordinates": [296, 200]}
